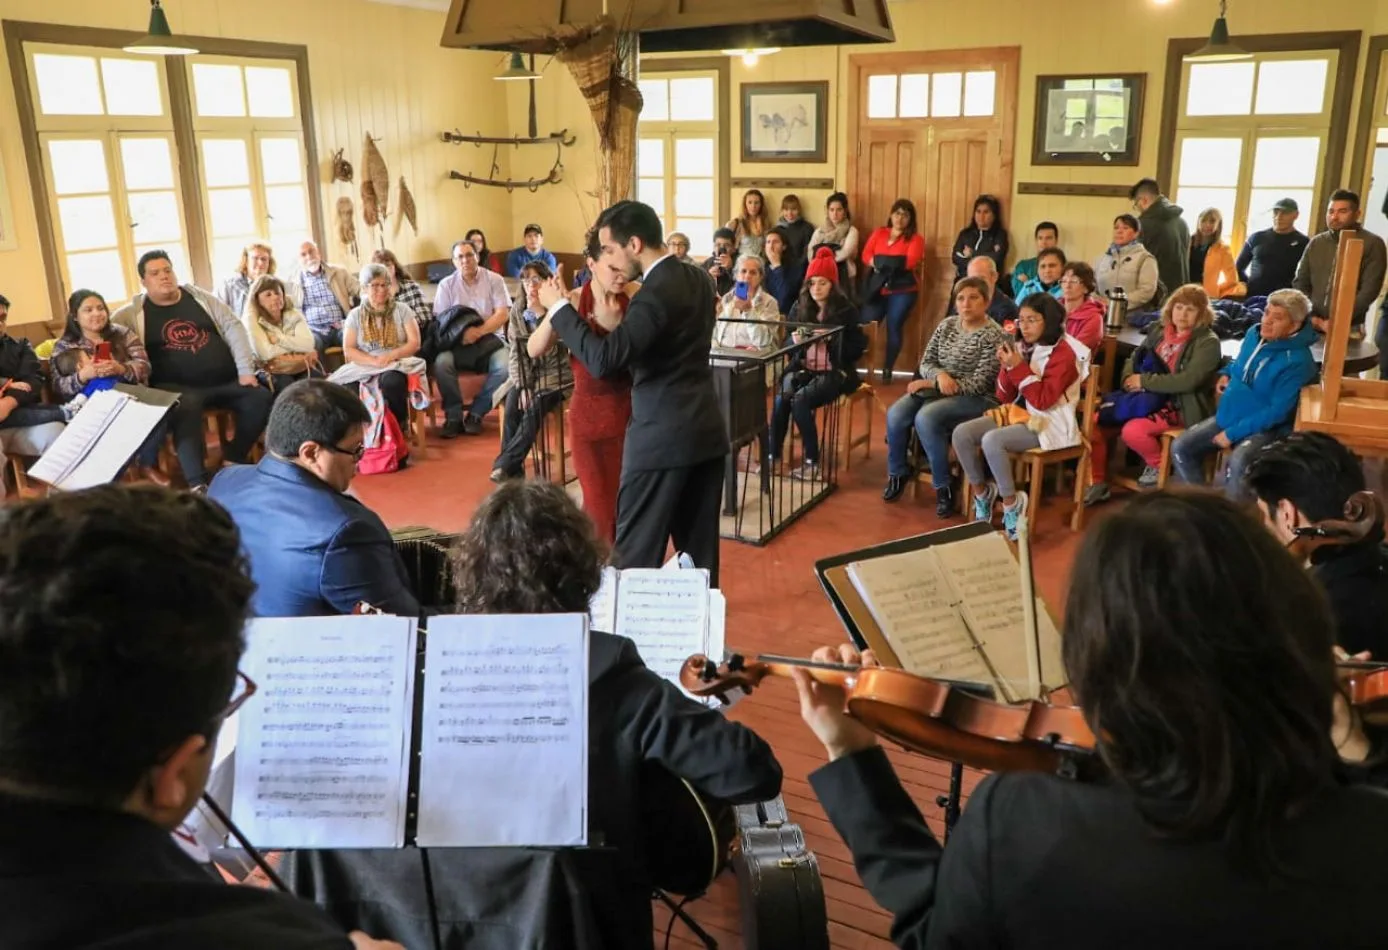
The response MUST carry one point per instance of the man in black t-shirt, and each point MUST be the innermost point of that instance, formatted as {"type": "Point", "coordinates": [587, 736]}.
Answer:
{"type": "Point", "coordinates": [199, 349]}
{"type": "Point", "coordinates": [1268, 260]}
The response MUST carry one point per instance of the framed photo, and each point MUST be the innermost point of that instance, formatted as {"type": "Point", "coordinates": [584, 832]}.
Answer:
{"type": "Point", "coordinates": [1088, 120]}
{"type": "Point", "coordinates": [785, 121]}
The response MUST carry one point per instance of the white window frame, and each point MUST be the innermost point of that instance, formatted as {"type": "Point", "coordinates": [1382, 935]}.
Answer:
{"type": "Point", "coordinates": [670, 131]}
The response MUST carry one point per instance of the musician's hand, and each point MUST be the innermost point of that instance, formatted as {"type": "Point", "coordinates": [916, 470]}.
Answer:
{"type": "Point", "coordinates": [822, 706]}
{"type": "Point", "coordinates": [361, 941]}
{"type": "Point", "coordinates": [1347, 728]}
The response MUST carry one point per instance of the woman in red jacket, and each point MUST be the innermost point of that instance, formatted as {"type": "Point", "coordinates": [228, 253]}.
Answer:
{"type": "Point", "coordinates": [893, 253]}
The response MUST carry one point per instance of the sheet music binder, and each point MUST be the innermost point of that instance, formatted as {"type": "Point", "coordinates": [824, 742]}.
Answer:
{"type": "Point", "coordinates": [100, 441]}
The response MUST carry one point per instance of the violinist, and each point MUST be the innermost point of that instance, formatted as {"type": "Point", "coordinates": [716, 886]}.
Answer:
{"type": "Point", "coordinates": [1221, 822]}
{"type": "Point", "coordinates": [1305, 478]}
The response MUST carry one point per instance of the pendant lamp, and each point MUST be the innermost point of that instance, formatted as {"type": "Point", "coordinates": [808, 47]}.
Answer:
{"type": "Point", "coordinates": [159, 41]}
{"type": "Point", "coordinates": [1219, 49]}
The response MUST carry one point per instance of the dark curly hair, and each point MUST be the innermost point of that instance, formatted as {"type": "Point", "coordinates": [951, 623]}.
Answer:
{"type": "Point", "coordinates": [121, 615]}
{"type": "Point", "coordinates": [528, 550]}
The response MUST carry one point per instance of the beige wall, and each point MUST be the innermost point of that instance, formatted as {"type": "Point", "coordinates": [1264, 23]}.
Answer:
{"type": "Point", "coordinates": [371, 67]}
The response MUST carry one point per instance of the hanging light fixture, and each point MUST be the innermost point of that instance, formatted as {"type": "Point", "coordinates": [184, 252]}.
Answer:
{"type": "Point", "coordinates": [1219, 49]}
{"type": "Point", "coordinates": [750, 57]}
{"type": "Point", "coordinates": [517, 69]}
{"type": "Point", "coordinates": [159, 41]}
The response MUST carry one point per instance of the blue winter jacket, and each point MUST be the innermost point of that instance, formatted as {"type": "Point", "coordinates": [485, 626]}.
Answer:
{"type": "Point", "coordinates": [1265, 383]}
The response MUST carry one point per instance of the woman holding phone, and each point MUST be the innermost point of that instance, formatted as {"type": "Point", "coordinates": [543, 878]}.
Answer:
{"type": "Point", "coordinates": [112, 351]}
{"type": "Point", "coordinates": [748, 300]}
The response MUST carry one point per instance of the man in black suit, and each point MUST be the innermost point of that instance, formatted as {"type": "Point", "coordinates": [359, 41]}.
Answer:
{"type": "Point", "coordinates": [672, 469]}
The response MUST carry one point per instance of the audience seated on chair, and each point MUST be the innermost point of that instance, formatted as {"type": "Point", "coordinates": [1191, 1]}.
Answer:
{"type": "Point", "coordinates": [796, 232]}
{"type": "Point", "coordinates": [748, 300]}
{"type": "Point", "coordinates": [719, 264]}
{"type": "Point", "coordinates": [313, 549]}
{"type": "Point", "coordinates": [257, 260]}
{"type": "Point", "coordinates": [1166, 383]}
{"type": "Point", "coordinates": [1211, 261]}
{"type": "Point", "coordinates": [840, 236]}
{"type": "Point", "coordinates": [539, 371]}
{"type": "Point", "coordinates": [325, 293]}
{"type": "Point", "coordinates": [1127, 265]}
{"type": "Point", "coordinates": [785, 273]}
{"type": "Point", "coordinates": [284, 346]}
{"type": "Point", "coordinates": [1305, 478]}
{"type": "Point", "coordinates": [1047, 235]}
{"type": "Point", "coordinates": [985, 235]}
{"type": "Point", "coordinates": [403, 286]}
{"type": "Point", "coordinates": [532, 250]}
{"type": "Point", "coordinates": [485, 258]}
{"type": "Point", "coordinates": [1257, 394]}
{"type": "Point", "coordinates": [892, 254]}
{"type": "Point", "coordinates": [1165, 234]}
{"type": "Point", "coordinates": [1001, 307]}
{"type": "Point", "coordinates": [958, 373]}
{"type": "Point", "coordinates": [529, 550]}
{"type": "Point", "coordinates": [21, 383]}
{"type": "Point", "coordinates": [1084, 312]}
{"type": "Point", "coordinates": [1269, 257]}
{"type": "Point", "coordinates": [1315, 273]}
{"type": "Point", "coordinates": [1038, 387]}
{"type": "Point", "coordinates": [380, 340]}
{"type": "Point", "coordinates": [1050, 265]}
{"type": "Point", "coordinates": [124, 609]}
{"type": "Point", "coordinates": [483, 347]}
{"type": "Point", "coordinates": [199, 349]}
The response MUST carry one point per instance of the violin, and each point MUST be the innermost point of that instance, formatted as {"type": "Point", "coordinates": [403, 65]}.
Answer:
{"type": "Point", "coordinates": [935, 717]}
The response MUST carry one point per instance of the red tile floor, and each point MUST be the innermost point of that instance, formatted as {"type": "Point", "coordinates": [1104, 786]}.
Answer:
{"type": "Point", "coordinates": [774, 605]}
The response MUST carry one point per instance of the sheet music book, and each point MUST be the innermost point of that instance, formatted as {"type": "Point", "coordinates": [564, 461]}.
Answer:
{"type": "Point", "coordinates": [955, 610]}
{"type": "Point", "coordinates": [492, 711]}
{"type": "Point", "coordinates": [102, 437]}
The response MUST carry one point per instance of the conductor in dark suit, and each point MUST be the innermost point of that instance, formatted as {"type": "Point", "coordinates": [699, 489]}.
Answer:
{"type": "Point", "coordinates": [672, 467]}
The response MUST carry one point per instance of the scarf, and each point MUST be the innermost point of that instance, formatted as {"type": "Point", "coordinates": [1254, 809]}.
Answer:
{"type": "Point", "coordinates": [1171, 345]}
{"type": "Point", "coordinates": [1115, 250]}
{"type": "Point", "coordinates": [377, 328]}
{"type": "Point", "coordinates": [830, 233]}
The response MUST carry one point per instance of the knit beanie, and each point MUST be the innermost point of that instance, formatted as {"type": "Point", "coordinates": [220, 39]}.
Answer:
{"type": "Point", "coordinates": [824, 266]}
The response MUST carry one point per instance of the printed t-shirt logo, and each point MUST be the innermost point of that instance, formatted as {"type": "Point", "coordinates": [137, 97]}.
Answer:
{"type": "Point", "coordinates": [184, 335]}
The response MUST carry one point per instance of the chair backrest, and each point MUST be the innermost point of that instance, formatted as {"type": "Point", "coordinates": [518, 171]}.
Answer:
{"type": "Point", "coordinates": [1089, 400]}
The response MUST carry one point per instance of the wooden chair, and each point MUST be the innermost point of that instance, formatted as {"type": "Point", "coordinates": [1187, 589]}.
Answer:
{"type": "Point", "coordinates": [866, 397]}
{"type": "Point", "coordinates": [551, 439]}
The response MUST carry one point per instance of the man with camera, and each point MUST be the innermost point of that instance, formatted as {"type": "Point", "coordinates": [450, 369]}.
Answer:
{"type": "Point", "coordinates": [719, 264]}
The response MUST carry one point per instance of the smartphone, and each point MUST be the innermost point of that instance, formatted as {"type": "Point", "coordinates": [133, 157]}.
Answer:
{"type": "Point", "coordinates": [1009, 327]}
{"type": "Point", "coordinates": [740, 289]}
{"type": "Point", "coordinates": [103, 352]}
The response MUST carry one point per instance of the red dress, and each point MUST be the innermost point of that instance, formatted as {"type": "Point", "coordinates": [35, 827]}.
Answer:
{"type": "Point", "coordinates": [598, 417]}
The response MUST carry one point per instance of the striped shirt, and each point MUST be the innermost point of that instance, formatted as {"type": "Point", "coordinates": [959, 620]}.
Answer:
{"type": "Point", "coordinates": [970, 357]}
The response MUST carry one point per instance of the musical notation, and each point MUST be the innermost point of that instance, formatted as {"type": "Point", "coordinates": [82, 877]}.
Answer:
{"type": "Point", "coordinates": [665, 613]}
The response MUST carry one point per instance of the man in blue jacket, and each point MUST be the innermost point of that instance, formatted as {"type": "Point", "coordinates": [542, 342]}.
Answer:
{"type": "Point", "coordinates": [1257, 393]}
{"type": "Point", "coordinates": [314, 550]}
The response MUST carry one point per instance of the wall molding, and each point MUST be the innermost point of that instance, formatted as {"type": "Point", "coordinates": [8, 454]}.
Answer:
{"type": "Point", "coordinates": [805, 184]}
{"type": "Point", "coordinates": [1072, 189]}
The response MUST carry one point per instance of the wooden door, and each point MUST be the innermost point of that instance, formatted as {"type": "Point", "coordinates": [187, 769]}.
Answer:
{"type": "Point", "coordinates": [938, 128]}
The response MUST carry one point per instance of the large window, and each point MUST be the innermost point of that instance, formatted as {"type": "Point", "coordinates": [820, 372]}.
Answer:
{"type": "Point", "coordinates": [1251, 132]}
{"type": "Point", "coordinates": [677, 153]}
{"type": "Point", "coordinates": [942, 95]}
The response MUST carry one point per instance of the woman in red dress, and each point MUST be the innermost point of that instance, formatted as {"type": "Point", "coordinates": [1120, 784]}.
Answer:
{"type": "Point", "coordinates": [601, 407]}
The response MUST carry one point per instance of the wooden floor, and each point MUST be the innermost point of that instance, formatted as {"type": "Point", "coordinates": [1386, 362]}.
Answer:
{"type": "Point", "coordinates": [774, 605]}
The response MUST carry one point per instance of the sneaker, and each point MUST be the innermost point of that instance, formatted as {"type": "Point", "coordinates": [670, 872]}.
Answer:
{"type": "Point", "coordinates": [1356, 333]}
{"type": "Point", "coordinates": [71, 407]}
{"type": "Point", "coordinates": [944, 502]}
{"type": "Point", "coordinates": [498, 475]}
{"type": "Point", "coordinates": [472, 425]}
{"type": "Point", "coordinates": [983, 504]}
{"type": "Point", "coordinates": [1013, 516]}
{"type": "Point", "coordinates": [452, 428]}
{"type": "Point", "coordinates": [1149, 477]}
{"type": "Point", "coordinates": [896, 484]}
{"type": "Point", "coordinates": [1097, 494]}
{"type": "Point", "coordinates": [806, 472]}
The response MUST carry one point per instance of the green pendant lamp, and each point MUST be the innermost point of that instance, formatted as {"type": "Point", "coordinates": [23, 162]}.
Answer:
{"type": "Point", "coordinates": [1220, 49]}
{"type": "Point", "coordinates": [159, 41]}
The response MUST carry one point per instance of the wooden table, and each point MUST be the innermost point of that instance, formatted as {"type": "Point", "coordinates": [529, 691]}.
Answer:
{"type": "Point", "coordinates": [1360, 357]}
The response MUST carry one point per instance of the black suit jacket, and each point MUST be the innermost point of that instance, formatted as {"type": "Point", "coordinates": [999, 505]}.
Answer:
{"type": "Point", "coordinates": [1039, 861]}
{"type": "Point", "coordinates": [664, 343]}
{"type": "Point", "coordinates": [1355, 578]}
{"type": "Point", "coordinates": [74, 877]}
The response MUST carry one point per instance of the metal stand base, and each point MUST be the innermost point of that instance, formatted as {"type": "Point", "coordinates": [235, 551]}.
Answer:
{"type": "Point", "coordinates": [950, 802]}
{"type": "Point", "coordinates": [678, 910]}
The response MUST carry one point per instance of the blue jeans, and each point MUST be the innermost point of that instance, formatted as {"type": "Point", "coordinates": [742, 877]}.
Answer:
{"type": "Point", "coordinates": [451, 394]}
{"type": "Point", "coordinates": [324, 339]}
{"type": "Point", "coordinates": [1191, 447]}
{"type": "Point", "coordinates": [896, 308]}
{"type": "Point", "coordinates": [934, 417]}
{"type": "Point", "coordinates": [801, 394]}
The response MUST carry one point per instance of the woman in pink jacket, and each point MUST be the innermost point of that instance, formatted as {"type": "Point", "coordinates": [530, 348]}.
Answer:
{"type": "Point", "coordinates": [1084, 312]}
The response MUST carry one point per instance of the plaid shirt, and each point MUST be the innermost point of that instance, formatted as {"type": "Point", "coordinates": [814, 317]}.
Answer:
{"type": "Point", "coordinates": [411, 296]}
{"type": "Point", "coordinates": [320, 305]}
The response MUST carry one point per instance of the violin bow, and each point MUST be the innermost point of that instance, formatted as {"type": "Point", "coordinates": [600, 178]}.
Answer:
{"type": "Point", "coordinates": [1030, 626]}
{"type": "Point", "coordinates": [244, 842]}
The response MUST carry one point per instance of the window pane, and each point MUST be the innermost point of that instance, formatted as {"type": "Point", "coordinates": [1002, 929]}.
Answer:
{"type": "Point", "coordinates": [1288, 87]}
{"type": "Point", "coordinates": [1260, 206]}
{"type": "Point", "coordinates": [1282, 162]}
{"type": "Point", "coordinates": [226, 253]}
{"type": "Point", "coordinates": [217, 90]}
{"type": "Point", "coordinates": [694, 158]}
{"type": "Point", "coordinates": [1210, 162]}
{"type": "Point", "coordinates": [944, 97]}
{"type": "Point", "coordinates": [178, 258]}
{"type": "Point", "coordinates": [1196, 200]}
{"type": "Point", "coordinates": [79, 166]}
{"type": "Point", "coordinates": [915, 96]}
{"type": "Point", "coordinates": [67, 85]}
{"type": "Point", "coordinates": [146, 163]}
{"type": "Point", "coordinates": [132, 87]}
{"type": "Point", "coordinates": [279, 161]}
{"type": "Point", "coordinates": [155, 216]}
{"type": "Point", "coordinates": [224, 163]}
{"type": "Point", "coordinates": [692, 100]}
{"type": "Point", "coordinates": [980, 91]}
{"type": "Point", "coordinates": [694, 196]}
{"type": "Point", "coordinates": [232, 212]}
{"type": "Point", "coordinates": [1220, 89]}
{"type": "Point", "coordinates": [882, 97]}
{"type": "Point", "coordinates": [656, 93]}
{"type": "Point", "coordinates": [650, 158]}
{"type": "Point", "coordinates": [270, 92]}
{"type": "Point", "coordinates": [287, 206]}
{"type": "Point", "coordinates": [87, 222]}
{"type": "Point", "coordinates": [101, 271]}
{"type": "Point", "coordinates": [651, 191]}
{"type": "Point", "coordinates": [700, 233]}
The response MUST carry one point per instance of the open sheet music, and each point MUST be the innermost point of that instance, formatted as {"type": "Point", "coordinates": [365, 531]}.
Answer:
{"type": "Point", "coordinates": [101, 439]}
{"type": "Point", "coordinates": [325, 747]}
{"type": "Point", "coordinates": [955, 610]}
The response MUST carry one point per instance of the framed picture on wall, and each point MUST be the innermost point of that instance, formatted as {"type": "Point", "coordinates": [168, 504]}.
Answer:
{"type": "Point", "coordinates": [785, 121]}
{"type": "Point", "coordinates": [1088, 120]}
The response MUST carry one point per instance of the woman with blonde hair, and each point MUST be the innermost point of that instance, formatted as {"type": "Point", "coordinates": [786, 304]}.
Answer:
{"type": "Point", "coordinates": [1168, 383]}
{"type": "Point", "coordinates": [280, 334]}
{"type": "Point", "coordinates": [1211, 261]}
{"type": "Point", "coordinates": [257, 259]}
{"type": "Point", "coordinates": [749, 229]}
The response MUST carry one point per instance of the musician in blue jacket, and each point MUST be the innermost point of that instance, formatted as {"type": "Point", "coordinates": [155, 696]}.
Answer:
{"type": "Point", "coordinates": [313, 550]}
{"type": "Point", "coordinates": [1257, 393]}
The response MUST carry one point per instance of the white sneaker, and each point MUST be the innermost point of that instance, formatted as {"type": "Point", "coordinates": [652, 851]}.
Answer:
{"type": "Point", "coordinates": [73, 406]}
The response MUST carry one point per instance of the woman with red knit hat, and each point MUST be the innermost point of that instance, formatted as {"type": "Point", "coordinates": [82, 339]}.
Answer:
{"type": "Point", "coordinates": [820, 372]}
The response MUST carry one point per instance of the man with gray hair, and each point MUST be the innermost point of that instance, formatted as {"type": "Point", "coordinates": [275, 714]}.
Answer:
{"type": "Point", "coordinates": [1001, 307]}
{"type": "Point", "coordinates": [1258, 393]}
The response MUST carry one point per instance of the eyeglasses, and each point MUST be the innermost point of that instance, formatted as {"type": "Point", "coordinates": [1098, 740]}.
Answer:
{"type": "Point", "coordinates": [356, 453]}
{"type": "Point", "coordinates": [532, 281]}
{"type": "Point", "coordinates": [245, 689]}
{"type": "Point", "coordinates": [1030, 320]}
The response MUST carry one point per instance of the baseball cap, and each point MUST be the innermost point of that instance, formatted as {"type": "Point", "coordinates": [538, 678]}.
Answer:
{"type": "Point", "coordinates": [1285, 204]}
{"type": "Point", "coordinates": [536, 229]}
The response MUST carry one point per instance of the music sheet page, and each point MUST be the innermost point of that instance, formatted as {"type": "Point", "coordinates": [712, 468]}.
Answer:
{"type": "Point", "coordinates": [78, 437]}
{"type": "Point", "coordinates": [602, 609]}
{"type": "Point", "coordinates": [665, 613]}
{"type": "Point", "coordinates": [912, 605]}
{"type": "Point", "coordinates": [321, 747]}
{"type": "Point", "coordinates": [504, 745]}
